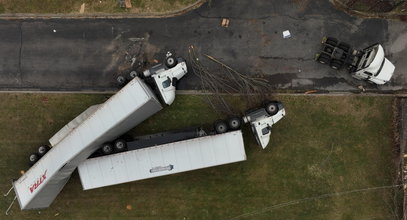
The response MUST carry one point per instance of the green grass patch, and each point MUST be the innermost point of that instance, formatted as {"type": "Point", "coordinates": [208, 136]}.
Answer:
{"type": "Point", "coordinates": [324, 145]}
{"type": "Point", "coordinates": [91, 6]}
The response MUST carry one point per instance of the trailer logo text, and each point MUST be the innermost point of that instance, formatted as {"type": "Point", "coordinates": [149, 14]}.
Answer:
{"type": "Point", "coordinates": [38, 182]}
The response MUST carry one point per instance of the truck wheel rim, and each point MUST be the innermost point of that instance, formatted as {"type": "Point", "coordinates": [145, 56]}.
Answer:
{"type": "Point", "coordinates": [119, 145]}
{"type": "Point", "coordinates": [170, 61]}
{"type": "Point", "coordinates": [33, 158]}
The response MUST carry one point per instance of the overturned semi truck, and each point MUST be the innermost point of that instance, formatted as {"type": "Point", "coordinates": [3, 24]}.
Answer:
{"type": "Point", "coordinates": [179, 151]}
{"type": "Point", "coordinates": [74, 143]}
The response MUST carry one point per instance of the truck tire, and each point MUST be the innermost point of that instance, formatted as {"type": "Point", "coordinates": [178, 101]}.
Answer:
{"type": "Point", "coordinates": [336, 64]}
{"type": "Point", "coordinates": [121, 80]}
{"type": "Point", "coordinates": [107, 149]}
{"type": "Point", "coordinates": [221, 127]}
{"type": "Point", "coordinates": [120, 145]}
{"type": "Point", "coordinates": [331, 41]}
{"type": "Point", "coordinates": [234, 123]}
{"type": "Point", "coordinates": [170, 62]}
{"type": "Point", "coordinates": [271, 108]}
{"type": "Point", "coordinates": [43, 149]}
{"type": "Point", "coordinates": [324, 58]}
{"type": "Point", "coordinates": [344, 46]}
{"type": "Point", "coordinates": [34, 158]}
{"type": "Point", "coordinates": [133, 74]}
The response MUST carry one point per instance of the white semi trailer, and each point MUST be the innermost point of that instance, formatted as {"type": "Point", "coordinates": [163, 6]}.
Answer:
{"type": "Point", "coordinates": [161, 160]}
{"type": "Point", "coordinates": [174, 152]}
{"type": "Point", "coordinates": [74, 143]}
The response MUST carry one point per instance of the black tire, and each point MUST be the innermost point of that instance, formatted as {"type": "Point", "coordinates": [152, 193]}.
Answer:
{"type": "Point", "coordinates": [170, 62]}
{"type": "Point", "coordinates": [133, 74]}
{"type": "Point", "coordinates": [344, 46]}
{"type": "Point", "coordinates": [107, 149]}
{"type": "Point", "coordinates": [43, 149]}
{"type": "Point", "coordinates": [221, 127]}
{"type": "Point", "coordinates": [324, 58]}
{"type": "Point", "coordinates": [332, 41]}
{"type": "Point", "coordinates": [271, 108]}
{"type": "Point", "coordinates": [352, 69]}
{"type": "Point", "coordinates": [234, 123]}
{"type": "Point", "coordinates": [121, 80]}
{"type": "Point", "coordinates": [120, 145]}
{"type": "Point", "coordinates": [336, 64]}
{"type": "Point", "coordinates": [33, 158]}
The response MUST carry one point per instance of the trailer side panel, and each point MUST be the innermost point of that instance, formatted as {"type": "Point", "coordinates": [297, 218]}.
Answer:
{"type": "Point", "coordinates": [162, 160]}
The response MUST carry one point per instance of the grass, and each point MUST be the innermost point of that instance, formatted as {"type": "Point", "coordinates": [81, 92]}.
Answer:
{"type": "Point", "coordinates": [323, 146]}
{"type": "Point", "coordinates": [91, 6]}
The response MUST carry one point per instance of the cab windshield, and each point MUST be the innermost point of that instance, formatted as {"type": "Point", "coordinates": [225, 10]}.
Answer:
{"type": "Point", "coordinates": [368, 56]}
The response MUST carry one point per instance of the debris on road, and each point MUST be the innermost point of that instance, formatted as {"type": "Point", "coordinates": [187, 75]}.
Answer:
{"type": "Point", "coordinates": [286, 34]}
{"type": "Point", "coordinates": [223, 79]}
{"type": "Point", "coordinates": [225, 22]}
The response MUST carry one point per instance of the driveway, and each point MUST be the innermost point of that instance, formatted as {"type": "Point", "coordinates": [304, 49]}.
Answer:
{"type": "Point", "coordinates": [87, 54]}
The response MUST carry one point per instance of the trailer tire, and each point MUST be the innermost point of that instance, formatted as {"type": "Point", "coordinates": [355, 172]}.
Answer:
{"type": "Point", "coordinates": [221, 127]}
{"type": "Point", "coordinates": [120, 145]}
{"type": "Point", "coordinates": [234, 123]}
{"type": "Point", "coordinates": [331, 41]}
{"type": "Point", "coordinates": [43, 149]}
{"type": "Point", "coordinates": [170, 62]}
{"type": "Point", "coordinates": [344, 46]}
{"type": "Point", "coordinates": [336, 64]}
{"type": "Point", "coordinates": [107, 148]}
{"type": "Point", "coordinates": [133, 74]}
{"type": "Point", "coordinates": [271, 108]}
{"type": "Point", "coordinates": [34, 158]}
{"type": "Point", "coordinates": [324, 58]}
{"type": "Point", "coordinates": [121, 80]}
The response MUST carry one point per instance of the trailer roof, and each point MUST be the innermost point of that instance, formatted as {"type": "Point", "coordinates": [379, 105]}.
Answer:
{"type": "Point", "coordinates": [162, 160]}
{"type": "Point", "coordinates": [39, 186]}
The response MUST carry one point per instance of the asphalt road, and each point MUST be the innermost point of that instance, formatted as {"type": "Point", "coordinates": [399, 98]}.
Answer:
{"type": "Point", "coordinates": [87, 54]}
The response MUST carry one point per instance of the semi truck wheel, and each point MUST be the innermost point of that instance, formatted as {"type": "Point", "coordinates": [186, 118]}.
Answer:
{"type": "Point", "coordinates": [170, 62]}
{"type": "Point", "coordinates": [120, 145]}
{"type": "Point", "coordinates": [107, 149]}
{"type": "Point", "coordinates": [221, 127]}
{"type": "Point", "coordinates": [133, 74]}
{"type": "Point", "coordinates": [33, 158]}
{"type": "Point", "coordinates": [121, 80]}
{"type": "Point", "coordinates": [331, 41]}
{"type": "Point", "coordinates": [271, 108]}
{"type": "Point", "coordinates": [344, 46]}
{"type": "Point", "coordinates": [336, 64]}
{"type": "Point", "coordinates": [234, 123]}
{"type": "Point", "coordinates": [43, 149]}
{"type": "Point", "coordinates": [323, 58]}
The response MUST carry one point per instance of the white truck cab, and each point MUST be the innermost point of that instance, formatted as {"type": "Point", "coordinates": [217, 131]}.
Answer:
{"type": "Point", "coordinates": [166, 75]}
{"type": "Point", "coordinates": [368, 64]}
{"type": "Point", "coordinates": [261, 120]}
{"type": "Point", "coordinates": [373, 66]}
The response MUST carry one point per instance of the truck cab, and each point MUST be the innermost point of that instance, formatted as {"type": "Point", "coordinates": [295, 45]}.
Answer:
{"type": "Point", "coordinates": [165, 76]}
{"type": "Point", "coordinates": [373, 66]}
{"type": "Point", "coordinates": [261, 120]}
{"type": "Point", "coordinates": [368, 64]}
